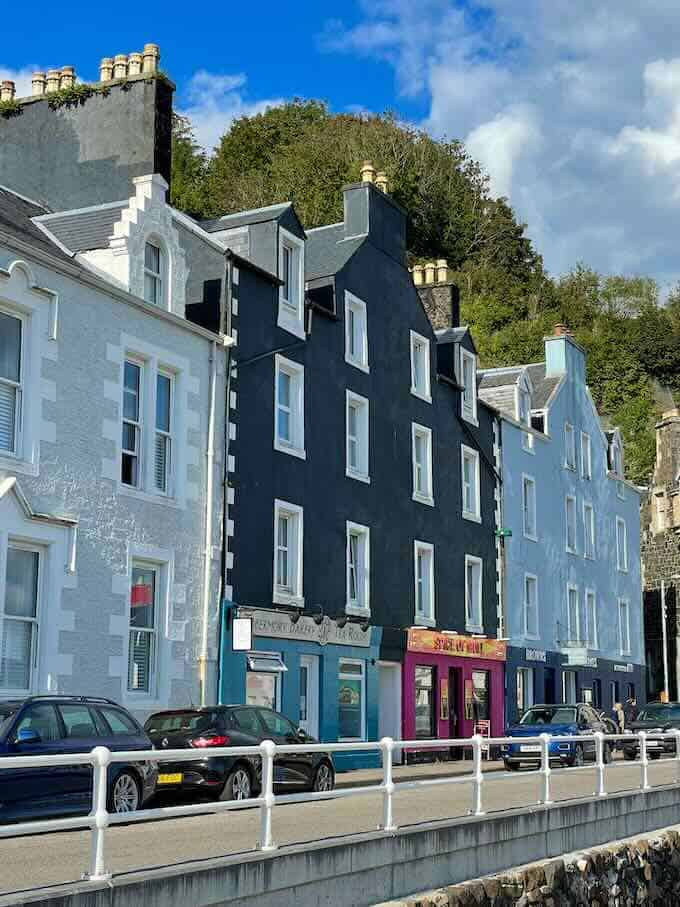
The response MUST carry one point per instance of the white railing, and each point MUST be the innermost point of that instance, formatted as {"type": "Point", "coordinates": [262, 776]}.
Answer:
{"type": "Point", "coordinates": [100, 758]}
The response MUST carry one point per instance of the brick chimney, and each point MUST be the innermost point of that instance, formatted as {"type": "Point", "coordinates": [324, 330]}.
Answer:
{"type": "Point", "coordinates": [563, 355]}
{"type": "Point", "coordinates": [439, 295]}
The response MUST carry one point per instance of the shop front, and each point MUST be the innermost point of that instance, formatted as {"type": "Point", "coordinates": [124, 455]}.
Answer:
{"type": "Point", "coordinates": [532, 676]}
{"type": "Point", "coordinates": [319, 673]}
{"type": "Point", "coordinates": [453, 686]}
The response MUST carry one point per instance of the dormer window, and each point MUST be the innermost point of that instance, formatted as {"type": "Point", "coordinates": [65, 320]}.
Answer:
{"type": "Point", "coordinates": [291, 291]}
{"type": "Point", "coordinates": [153, 274]}
{"type": "Point", "coordinates": [524, 417]}
{"type": "Point", "coordinates": [468, 376]}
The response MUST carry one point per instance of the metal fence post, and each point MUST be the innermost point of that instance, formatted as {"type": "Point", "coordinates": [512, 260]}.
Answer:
{"type": "Point", "coordinates": [644, 761]}
{"type": "Point", "coordinates": [101, 757]}
{"type": "Point", "coordinates": [545, 768]}
{"type": "Point", "coordinates": [477, 776]}
{"type": "Point", "coordinates": [676, 734]}
{"type": "Point", "coordinates": [268, 750]}
{"type": "Point", "coordinates": [599, 754]}
{"type": "Point", "coordinates": [386, 748]}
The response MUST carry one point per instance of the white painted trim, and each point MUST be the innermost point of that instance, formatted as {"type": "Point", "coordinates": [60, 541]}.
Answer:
{"type": "Point", "coordinates": [280, 597]}
{"type": "Point", "coordinates": [365, 533]}
{"type": "Point", "coordinates": [350, 472]}
{"type": "Point", "coordinates": [358, 305]}
{"type": "Point", "coordinates": [471, 627]}
{"type": "Point", "coordinates": [525, 625]}
{"type": "Point", "coordinates": [574, 550]}
{"type": "Point", "coordinates": [296, 372]}
{"type": "Point", "coordinates": [528, 535]}
{"type": "Point", "coordinates": [289, 320]}
{"type": "Point", "coordinates": [475, 515]}
{"type": "Point", "coordinates": [422, 431]}
{"type": "Point", "coordinates": [424, 618]}
{"type": "Point", "coordinates": [469, 413]}
{"type": "Point", "coordinates": [426, 393]}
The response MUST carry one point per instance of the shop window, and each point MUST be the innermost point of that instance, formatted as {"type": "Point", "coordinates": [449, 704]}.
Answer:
{"type": "Point", "coordinates": [525, 689]}
{"type": "Point", "coordinates": [425, 702]}
{"type": "Point", "coordinates": [19, 619]}
{"type": "Point", "coordinates": [480, 696]}
{"type": "Point", "coordinates": [351, 700]}
{"type": "Point", "coordinates": [262, 689]}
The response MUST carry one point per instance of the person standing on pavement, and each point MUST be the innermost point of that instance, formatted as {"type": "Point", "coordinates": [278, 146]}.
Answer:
{"type": "Point", "coordinates": [618, 716]}
{"type": "Point", "coordinates": [630, 711]}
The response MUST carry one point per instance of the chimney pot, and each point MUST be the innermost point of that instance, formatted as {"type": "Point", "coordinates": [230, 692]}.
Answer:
{"type": "Point", "coordinates": [367, 172]}
{"type": "Point", "coordinates": [7, 90]}
{"type": "Point", "coordinates": [120, 66]}
{"type": "Point", "coordinates": [430, 270]}
{"type": "Point", "coordinates": [151, 58]}
{"type": "Point", "coordinates": [418, 275]}
{"type": "Point", "coordinates": [53, 76]}
{"type": "Point", "coordinates": [106, 69]}
{"type": "Point", "coordinates": [381, 181]}
{"type": "Point", "coordinates": [560, 330]}
{"type": "Point", "coordinates": [442, 270]}
{"type": "Point", "coordinates": [67, 77]}
{"type": "Point", "coordinates": [135, 63]}
{"type": "Point", "coordinates": [38, 83]}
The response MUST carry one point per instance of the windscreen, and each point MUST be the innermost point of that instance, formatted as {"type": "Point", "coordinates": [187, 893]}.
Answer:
{"type": "Point", "coordinates": [659, 713]}
{"type": "Point", "coordinates": [549, 715]}
{"type": "Point", "coordinates": [180, 722]}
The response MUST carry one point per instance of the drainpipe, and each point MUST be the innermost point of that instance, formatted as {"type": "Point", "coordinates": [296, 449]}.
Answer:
{"type": "Point", "coordinates": [209, 460]}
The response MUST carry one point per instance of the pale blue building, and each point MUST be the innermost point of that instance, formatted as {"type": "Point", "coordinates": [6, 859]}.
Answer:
{"type": "Point", "coordinates": [569, 568]}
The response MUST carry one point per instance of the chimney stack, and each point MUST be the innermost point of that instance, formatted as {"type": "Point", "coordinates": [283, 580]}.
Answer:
{"type": "Point", "coordinates": [151, 58]}
{"type": "Point", "coordinates": [430, 271]}
{"type": "Point", "coordinates": [53, 76]}
{"type": "Point", "coordinates": [7, 90]}
{"type": "Point", "coordinates": [120, 66]}
{"type": "Point", "coordinates": [381, 181]}
{"type": "Point", "coordinates": [38, 83]}
{"type": "Point", "coordinates": [106, 69]}
{"type": "Point", "coordinates": [67, 77]}
{"type": "Point", "coordinates": [367, 172]}
{"type": "Point", "coordinates": [561, 330]}
{"type": "Point", "coordinates": [442, 270]}
{"type": "Point", "coordinates": [418, 278]}
{"type": "Point", "coordinates": [135, 62]}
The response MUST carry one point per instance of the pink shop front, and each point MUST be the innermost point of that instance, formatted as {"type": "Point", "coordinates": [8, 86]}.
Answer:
{"type": "Point", "coordinates": [452, 686]}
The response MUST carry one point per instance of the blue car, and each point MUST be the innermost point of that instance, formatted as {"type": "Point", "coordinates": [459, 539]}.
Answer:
{"type": "Point", "coordinates": [51, 725]}
{"type": "Point", "coordinates": [556, 720]}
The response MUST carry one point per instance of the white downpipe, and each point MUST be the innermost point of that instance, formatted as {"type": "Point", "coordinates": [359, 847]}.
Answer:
{"type": "Point", "coordinates": [207, 558]}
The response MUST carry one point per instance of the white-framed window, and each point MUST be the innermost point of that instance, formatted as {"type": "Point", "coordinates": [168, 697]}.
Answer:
{"type": "Point", "coordinates": [420, 367]}
{"type": "Point", "coordinates": [423, 557]}
{"type": "Point", "coordinates": [529, 507]}
{"type": "Point", "coordinates": [588, 531]}
{"type": "Point", "coordinates": [144, 613]}
{"type": "Point", "coordinates": [524, 403]}
{"type": "Point", "coordinates": [621, 545]}
{"type": "Point", "coordinates": [470, 483]}
{"type": "Point", "coordinates": [11, 382]}
{"type": "Point", "coordinates": [573, 614]}
{"type": "Point", "coordinates": [356, 332]}
{"type": "Point", "coordinates": [616, 459]}
{"type": "Point", "coordinates": [162, 471]}
{"type": "Point", "coordinates": [291, 292]}
{"type": "Point", "coordinates": [473, 594]}
{"type": "Point", "coordinates": [421, 455]}
{"type": "Point", "coordinates": [19, 616]}
{"type": "Point", "coordinates": [358, 568]}
{"type": "Point", "coordinates": [591, 619]}
{"type": "Point", "coordinates": [288, 546]}
{"type": "Point", "coordinates": [289, 407]}
{"type": "Point", "coordinates": [570, 518]}
{"type": "Point", "coordinates": [569, 446]}
{"type": "Point", "coordinates": [357, 437]}
{"type": "Point", "coordinates": [624, 627]}
{"type": "Point", "coordinates": [131, 446]}
{"type": "Point", "coordinates": [586, 456]}
{"type": "Point", "coordinates": [351, 699]}
{"type": "Point", "coordinates": [468, 380]}
{"type": "Point", "coordinates": [525, 689]}
{"type": "Point", "coordinates": [154, 273]}
{"type": "Point", "coordinates": [530, 606]}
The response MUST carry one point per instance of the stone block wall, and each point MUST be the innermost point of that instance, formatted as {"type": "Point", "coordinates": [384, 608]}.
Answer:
{"type": "Point", "coordinates": [634, 871]}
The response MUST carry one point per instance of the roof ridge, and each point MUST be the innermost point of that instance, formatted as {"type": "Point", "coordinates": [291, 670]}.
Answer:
{"type": "Point", "coordinates": [24, 198]}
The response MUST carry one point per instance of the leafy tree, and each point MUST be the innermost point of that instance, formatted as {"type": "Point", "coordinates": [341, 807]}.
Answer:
{"type": "Point", "coordinates": [188, 188]}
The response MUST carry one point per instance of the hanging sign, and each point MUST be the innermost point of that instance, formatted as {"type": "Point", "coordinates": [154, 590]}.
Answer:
{"type": "Point", "coordinates": [242, 634]}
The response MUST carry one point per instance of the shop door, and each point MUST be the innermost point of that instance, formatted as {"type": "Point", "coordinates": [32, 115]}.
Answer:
{"type": "Point", "coordinates": [309, 694]}
{"type": "Point", "coordinates": [454, 703]}
{"type": "Point", "coordinates": [549, 683]}
{"type": "Point", "coordinates": [389, 704]}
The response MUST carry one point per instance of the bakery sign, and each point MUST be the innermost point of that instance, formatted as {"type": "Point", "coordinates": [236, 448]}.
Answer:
{"type": "Point", "coordinates": [453, 644]}
{"type": "Point", "coordinates": [278, 625]}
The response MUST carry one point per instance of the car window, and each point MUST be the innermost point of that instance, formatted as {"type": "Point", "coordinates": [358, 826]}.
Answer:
{"type": "Point", "coordinates": [549, 715]}
{"type": "Point", "coordinates": [248, 721]}
{"type": "Point", "coordinates": [277, 724]}
{"type": "Point", "coordinates": [42, 719]}
{"type": "Point", "coordinates": [179, 722]}
{"type": "Point", "coordinates": [121, 725]}
{"type": "Point", "coordinates": [78, 721]}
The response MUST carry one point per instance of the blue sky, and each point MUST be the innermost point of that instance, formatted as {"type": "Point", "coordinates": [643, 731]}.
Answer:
{"type": "Point", "coordinates": [573, 107]}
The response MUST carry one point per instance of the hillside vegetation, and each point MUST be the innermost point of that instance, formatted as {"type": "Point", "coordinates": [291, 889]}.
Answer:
{"type": "Point", "coordinates": [304, 153]}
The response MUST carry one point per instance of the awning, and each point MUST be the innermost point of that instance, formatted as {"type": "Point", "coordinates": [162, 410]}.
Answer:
{"type": "Point", "coordinates": [271, 664]}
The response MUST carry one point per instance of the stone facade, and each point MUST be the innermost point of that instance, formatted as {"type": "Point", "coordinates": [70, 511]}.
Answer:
{"type": "Point", "coordinates": [622, 874]}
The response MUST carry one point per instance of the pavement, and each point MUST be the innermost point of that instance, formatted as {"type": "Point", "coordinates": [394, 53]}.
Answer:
{"type": "Point", "coordinates": [37, 861]}
{"type": "Point", "coordinates": [366, 776]}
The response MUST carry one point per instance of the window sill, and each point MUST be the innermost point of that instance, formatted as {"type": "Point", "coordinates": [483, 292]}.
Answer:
{"type": "Point", "coordinates": [476, 628]}
{"type": "Point", "coordinates": [10, 463]}
{"type": "Point", "coordinates": [472, 517]}
{"type": "Point", "coordinates": [622, 569]}
{"type": "Point", "coordinates": [470, 417]}
{"type": "Point", "coordinates": [357, 363]}
{"type": "Point", "coordinates": [529, 450]}
{"type": "Point", "coordinates": [298, 452]}
{"type": "Point", "coordinates": [289, 320]}
{"type": "Point", "coordinates": [359, 476]}
{"type": "Point", "coordinates": [148, 497]}
{"type": "Point", "coordinates": [423, 499]}
{"type": "Point", "coordinates": [531, 538]}
{"type": "Point", "coordinates": [421, 620]}
{"type": "Point", "coordinates": [283, 598]}
{"type": "Point", "coordinates": [356, 611]}
{"type": "Point", "coordinates": [427, 398]}
{"type": "Point", "coordinates": [530, 637]}
{"type": "Point", "coordinates": [572, 551]}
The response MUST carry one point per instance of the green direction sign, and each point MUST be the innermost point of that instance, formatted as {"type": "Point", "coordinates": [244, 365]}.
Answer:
{"type": "Point", "coordinates": [503, 533]}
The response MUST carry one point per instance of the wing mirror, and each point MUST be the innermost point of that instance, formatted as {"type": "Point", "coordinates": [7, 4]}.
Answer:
{"type": "Point", "coordinates": [301, 733]}
{"type": "Point", "coordinates": [28, 736]}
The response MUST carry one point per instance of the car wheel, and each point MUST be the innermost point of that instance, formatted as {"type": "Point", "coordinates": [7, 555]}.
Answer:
{"type": "Point", "coordinates": [654, 755]}
{"type": "Point", "coordinates": [238, 785]}
{"type": "Point", "coordinates": [323, 778]}
{"type": "Point", "coordinates": [577, 758]}
{"type": "Point", "coordinates": [125, 797]}
{"type": "Point", "coordinates": [512, 766]}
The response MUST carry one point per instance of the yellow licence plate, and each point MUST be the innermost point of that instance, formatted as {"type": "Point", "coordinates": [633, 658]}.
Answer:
{"type": "Point", "coordinates": [170, 779]}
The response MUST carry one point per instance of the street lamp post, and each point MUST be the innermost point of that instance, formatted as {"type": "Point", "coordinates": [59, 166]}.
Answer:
{"type": "Point", "coordinates": [664, 635]}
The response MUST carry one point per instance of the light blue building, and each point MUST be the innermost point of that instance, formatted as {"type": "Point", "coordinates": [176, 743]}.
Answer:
{"type": "Point", "coordinates": [569, 572]}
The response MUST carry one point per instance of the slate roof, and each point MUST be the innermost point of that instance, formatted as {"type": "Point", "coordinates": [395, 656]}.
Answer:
{"type": "Point", "coordinates": [327, 252]}
{"type": "Point", "coordinates": [543, 386]}
{"type": "Point", "coordinates": [88, 228]}
{"type": "Point", "coordinates": [451, 335]}
{"type": "Point", "coordinates": [494, 377]}
{"type": "Point", "coordinates": [15, 218]}
{"type": "Point", "coordinates": [244, 218]}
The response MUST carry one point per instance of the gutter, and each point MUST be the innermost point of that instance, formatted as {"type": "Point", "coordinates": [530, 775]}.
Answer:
{"type": "Point", "coordinates": [210, 461]}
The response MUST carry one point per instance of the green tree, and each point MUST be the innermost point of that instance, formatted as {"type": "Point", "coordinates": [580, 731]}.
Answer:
{"type": "Point", "coordinates": [188, 185]}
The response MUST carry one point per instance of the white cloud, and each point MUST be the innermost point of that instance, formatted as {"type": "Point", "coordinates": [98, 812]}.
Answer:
{"type": "Point", "coordinates": [572, 107]}
{"type": "Point", "coordinates": [21, 78]}
{"type": "Point", "coordinates": [214, 101]}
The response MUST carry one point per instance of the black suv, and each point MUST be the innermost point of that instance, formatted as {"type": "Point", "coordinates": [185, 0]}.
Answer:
{"type": "Point", "coordinates": [54, 725]}
{"type": "Point", "coordinates": [655, 716]}
{"type": "Point", "coordinates": [234, 777]}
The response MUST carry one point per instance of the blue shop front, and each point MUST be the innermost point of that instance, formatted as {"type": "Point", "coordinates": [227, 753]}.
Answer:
{"type": "Point", "coordinates": [321, 673]}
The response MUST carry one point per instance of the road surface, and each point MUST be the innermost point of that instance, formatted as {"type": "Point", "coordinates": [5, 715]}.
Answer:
{"type": "Point", "coordinates": [48, 859]}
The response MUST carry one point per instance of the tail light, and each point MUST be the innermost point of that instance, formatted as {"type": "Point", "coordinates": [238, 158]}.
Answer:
{"type": "Point", "coordinates": [201, 743]}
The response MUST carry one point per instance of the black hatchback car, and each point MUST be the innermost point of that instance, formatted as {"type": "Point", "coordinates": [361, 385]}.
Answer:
{"type": "Point", "coordinates": [234, 777]}
{"type": "Point", "coordinates": [55, 725]}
